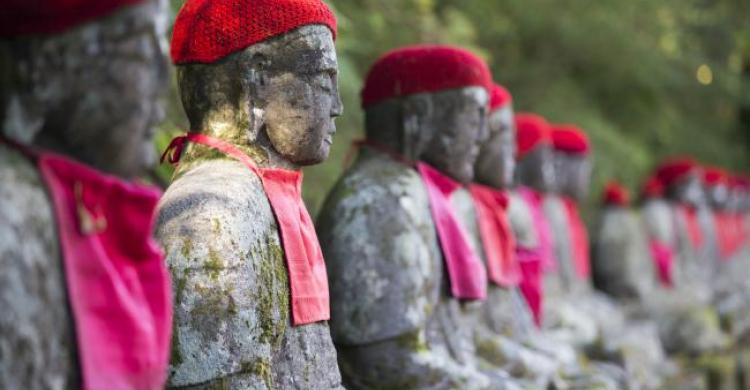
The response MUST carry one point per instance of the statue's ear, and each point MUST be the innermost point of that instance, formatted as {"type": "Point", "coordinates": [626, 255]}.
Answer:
{"type": "Point", "coordinates": [415, 111]}
{"type": "Point", "coordinates": [254, 80]}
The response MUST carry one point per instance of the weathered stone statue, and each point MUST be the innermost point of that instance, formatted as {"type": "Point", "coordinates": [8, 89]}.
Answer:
{"type": "Point", "coordinates": [504, 328]}
{"type": "Point", "coordinates": [258, 84]}
{"type": "Point", "coordinates": [620, 263]}
{"type": "Point", "coordinates": [402, 279]}
{"type": "Point", "coordinates": [83, 289]}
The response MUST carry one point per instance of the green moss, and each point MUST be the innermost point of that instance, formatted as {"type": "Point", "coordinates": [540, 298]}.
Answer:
{"type": "Point", "coordinates": [273, 299]}
{"type": "Point", "coordinates": [261, 368]}
{"type": "Point", "coordinates": [214, 264]}
{"type": "Point", "coordinates": [490, 352]}
{"type": "Point", "coordinates": [175, 358]}
{"type": "Point", "coordinates": [216, 225]}
{"type": "Point", "coordinates": [413, 341]}
{"type": "Point", "coordinates": [187, 247]}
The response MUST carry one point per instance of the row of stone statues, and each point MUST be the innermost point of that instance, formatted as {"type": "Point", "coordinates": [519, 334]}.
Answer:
{"type": "Point", "coordinates": [451, 254]}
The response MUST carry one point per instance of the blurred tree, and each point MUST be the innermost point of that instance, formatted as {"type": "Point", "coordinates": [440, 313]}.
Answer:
{"type": "Point", "coordinates": [646, 79]}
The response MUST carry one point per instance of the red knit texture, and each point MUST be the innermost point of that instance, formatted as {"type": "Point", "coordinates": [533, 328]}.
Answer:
{"type": "Point", "coordinates": [531, 130]}
{"type": "Point", "coordinates": [713, 176]}
{"type": "Point", "coordinates": [33, 17]}
{"type": "Point", "coordinates": [423, 69]}
{"type": "Point", "coordinates": [675, 169]}
{"type": "Point", "coordinates": [208, 30]}
{"type": "Point", "coordinates": [499, 97]}
{"type": "Point", "coordinates": [615, 194]}
{"type": "Point", "coordinates": [652, 188]}
{"type": "Point", "coordinates": [570, 139]}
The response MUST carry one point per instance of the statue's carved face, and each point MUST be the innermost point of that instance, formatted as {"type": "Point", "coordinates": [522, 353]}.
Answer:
{"type": "Point", "coordinates": [688, 190]}
{"type": "Point", "coordinates": [95, 90]}
{"type": "Point", "coordinates": [457, 122]}
{"type": "Point", "coordinates": [718, 195]}
{"type": "Point", "coordinates": [300, 97]}
{"type": "Point", "coordinates": [537, 169]}
{"type": "Point", "coordinates": [496, 163]}
{"type": "Point", "coordinates": [572, 175]}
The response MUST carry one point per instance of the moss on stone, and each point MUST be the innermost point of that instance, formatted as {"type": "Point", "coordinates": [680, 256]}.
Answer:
{"type": "Point", "coordinates": [275, 294]}
{"type": "Point", "coordinates": [214, 264]}
{"type": "Point", "coordinates": [175, 357]}
{"type": "Point", "coordinates": [413, 341]}
{"type": "Point", "coordinates": [187, 247]}
{"type": "Point", "coordinates": [260, 368]}
{"type": "Point", "coordinates": [490, 352]}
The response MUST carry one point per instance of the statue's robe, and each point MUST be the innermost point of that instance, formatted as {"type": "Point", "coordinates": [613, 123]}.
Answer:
{"type": "Point", "coordinates": [232, 324]}
{"type": "Point", "coordinates": [37, 338]}
{"type": "Point", "coordinates": [393, 320]}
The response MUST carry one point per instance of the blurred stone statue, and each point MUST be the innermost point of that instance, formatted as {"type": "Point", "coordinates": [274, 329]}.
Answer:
{"type": "Point", "coordinates": [258, 82]}
{"type": "Point", "coordinates": [404, 272]}
{"type": "Point", "coordinates": [84, 291]}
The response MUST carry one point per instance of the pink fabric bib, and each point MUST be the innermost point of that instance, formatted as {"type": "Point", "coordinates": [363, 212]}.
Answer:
{"type": "Point", "coordinates": [690, 216]}
{"type": "Point", "coordinates": [497, 236]}
{"type": "Point", "coordinates": [663, 258]}
{"type": "Point", "coordinates": [532, 281]}
{"type": "Point", "coordinates": [308, 280]}
{"type": "Point", "coordinates": [468, 278]}
{"type": "Point", "coordinates": [580, 240]}
{"type": "Point", "coordinates": [117, 283]}
{"type": "Point", "coordinates": [541, 226]}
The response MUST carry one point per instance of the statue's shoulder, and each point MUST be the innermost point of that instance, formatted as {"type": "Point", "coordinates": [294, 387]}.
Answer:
{"type": "Point", "coordinates": [381, 250]}
{"type": "Point", "coordinates": [32, 285]}
{"type": "Point", "coordinates": [521, 220]}
{"type": "Point", "coordinates": [229, 278]}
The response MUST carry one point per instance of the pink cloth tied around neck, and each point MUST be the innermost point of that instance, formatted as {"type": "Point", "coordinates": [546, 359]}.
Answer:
{"type": "Point", "coordinates": [690, 216]}
{"type": "Point", "coordinates": [497, 236]}
{"type": "Point", "coordinates": [468, 278]}
{"type": "Point", "coordinates": [117, 283]}
{"type": "Point", "coordinates": [308, 279]}
{"type": "Point", "coordinates": [532, 281]}
{"type": "Point", "coordinates": [663, 257]}
{"type": "Point", "coordinates": [580, 240]}
{"type": "Point", "coordinates": [542, 227]}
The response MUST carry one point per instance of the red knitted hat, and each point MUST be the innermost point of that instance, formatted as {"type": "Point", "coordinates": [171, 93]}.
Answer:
{"type": "Point", "coordinates": [570, 139]}
{"type": "Point", "coordinates": [616, 194]}
{"type": "Point", "coordinates": [674, 169]}
{"type": "Point", "coordinates": [652, 188]}
{"type": "Point", "coordinates": [423, 69]}
{"type": "Point", "coordinates": [714, 176]}
{"type": "Point", "coordinates": [208, 30]}
{"type": "Point", "coordinates": [33, 17]}
{"type": "Point", "coordinates": [499, 97]}
{"type": "Point", "coordinates": [531, 130]}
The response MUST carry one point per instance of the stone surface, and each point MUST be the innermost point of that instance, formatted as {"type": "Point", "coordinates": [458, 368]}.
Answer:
{"type": "Point", "coordinates": [231, 307]}
{"type": "Point", "coordinates": [392, 321]}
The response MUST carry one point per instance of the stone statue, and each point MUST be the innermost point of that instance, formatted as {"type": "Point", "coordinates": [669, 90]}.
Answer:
{"type": "Point", "coordinates": [396, 321]}
{"type": "Point", "coordinates": [260, 91]}
{"type": "Point", "coordinates": [87, 90]}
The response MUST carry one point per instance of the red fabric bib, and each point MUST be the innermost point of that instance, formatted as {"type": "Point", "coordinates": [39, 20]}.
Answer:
{"type": "Point", "coordinates": [663, 258]}
{"type": "Point", "coordinates": [580, 240]}
{"type": "Point", "coordinates": [497, 236]}
{"type": "Point", "coordinates": [542, 228]}
{"type": "Point", "coordinates": [532, 281]}
{"type": "Point", "coordinates": [690, 215]}
{"type": "Point", "coordinates": [308, 280]}
{"type": "Point", "coordinates": [117, 283]}
{"type": "Point", "coordinates": [466, 272]}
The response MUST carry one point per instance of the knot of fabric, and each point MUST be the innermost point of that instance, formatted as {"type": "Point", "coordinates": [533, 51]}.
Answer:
{"type": "Point", "coordinates": [173, 152]}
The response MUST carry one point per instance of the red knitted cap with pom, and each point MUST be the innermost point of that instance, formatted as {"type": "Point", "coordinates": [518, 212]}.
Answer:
{"type": "Point", "coordinates": [531, 130]}
{"type": "Point", "coordinates": [675, 169]}
{"type": "Point", "coordinates": [615, 194]}
{"type": "Point", "coordinates": [652, 188]}
{"type": "Point", "coordinates": [423, 69]}
{"type": "Point", "coordinates": [208, 30]}
{"type": "Point", "coordinates": [570, 139]}
{"type": "Point", "coordinates": [33, 17]}
{"type": "Point", "coordinates": [714, 176]}
{"type": "Point", "coordinates": [499, 97]}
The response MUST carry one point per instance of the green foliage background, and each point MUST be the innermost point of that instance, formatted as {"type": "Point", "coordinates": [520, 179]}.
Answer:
{"type": "Point", "coordinates": [624, 70]}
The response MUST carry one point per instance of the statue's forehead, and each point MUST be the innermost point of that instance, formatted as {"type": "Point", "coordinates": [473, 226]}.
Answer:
{"type": "Point", "coordinates": [308, 49]}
